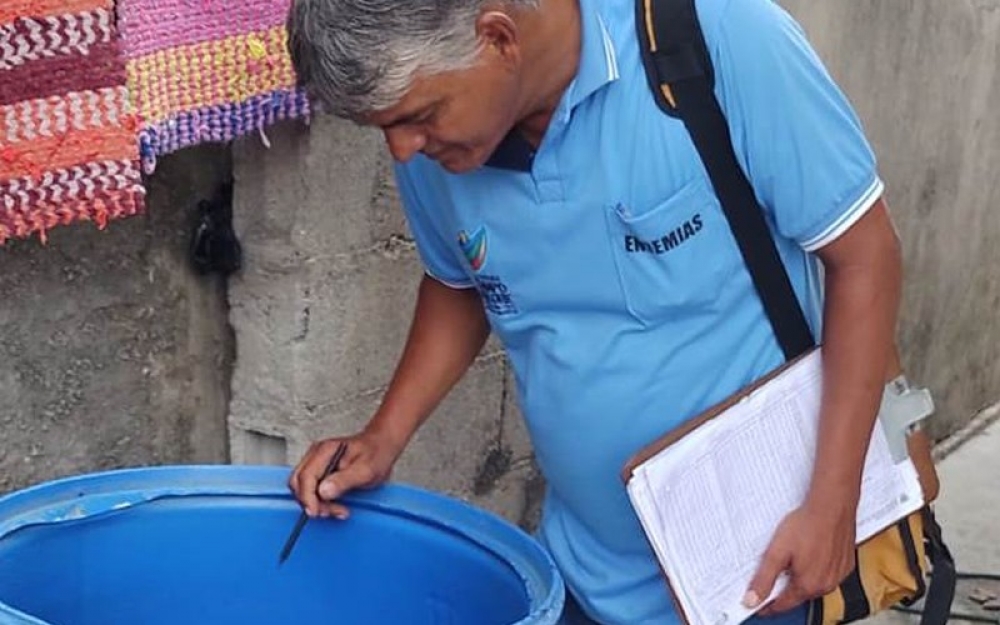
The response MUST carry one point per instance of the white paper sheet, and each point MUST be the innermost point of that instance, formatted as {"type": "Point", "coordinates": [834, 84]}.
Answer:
{"type": "Point", "coordinates": [710, 502]}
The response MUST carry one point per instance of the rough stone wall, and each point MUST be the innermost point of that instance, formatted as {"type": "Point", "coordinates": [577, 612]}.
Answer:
{"type": "Point", "coordinates": [112, 352]}
{"type": "Point", "coordinates": [924, 78]}
{"type": "Point", "coordinates": [321, 313]}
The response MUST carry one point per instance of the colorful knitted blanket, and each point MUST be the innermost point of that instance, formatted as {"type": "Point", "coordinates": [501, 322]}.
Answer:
{"type": "Point", "coordinates": [92, 92]}
{"type": "Point", "coordinates": [67, 133]}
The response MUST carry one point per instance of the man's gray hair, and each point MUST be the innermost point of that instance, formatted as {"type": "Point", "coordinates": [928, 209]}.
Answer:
{"type": "Point", "coordinates": [359, 56]}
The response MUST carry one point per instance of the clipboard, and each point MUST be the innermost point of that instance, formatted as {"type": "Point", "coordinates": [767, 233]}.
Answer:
{"type": "Point", "coordinates": [907, 482]}
{"type": "Point", "coordinates": [676, 434]}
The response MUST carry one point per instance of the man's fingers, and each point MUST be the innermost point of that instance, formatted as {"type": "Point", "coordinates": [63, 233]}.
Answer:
{"type": "Point", "coordinates": [334, 510]}
{"type": "Point", "coordinates": [309, 476]}
{"type": "Point", "coordinates": [771, 565]}
{"type": "Point", "coordinates": [791, 597]}
{"type": "Point", "coordinates": [799, 590]}
{"type": "Point", "coordinates": [306, 490]}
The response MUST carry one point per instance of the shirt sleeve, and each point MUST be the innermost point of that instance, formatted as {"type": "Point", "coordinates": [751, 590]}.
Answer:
{"type": "Point", "coordinates": [438, 258]}
{"type": "Point", "coordinates": [794, 130]}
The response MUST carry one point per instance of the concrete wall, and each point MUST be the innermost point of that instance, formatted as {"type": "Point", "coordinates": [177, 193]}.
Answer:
{"type": "Point", "coordinates": [322, 310]}
{"type": "Point", "coordinates": [925, 78]}
{"type": "Point", "coordinates": [113, 353]}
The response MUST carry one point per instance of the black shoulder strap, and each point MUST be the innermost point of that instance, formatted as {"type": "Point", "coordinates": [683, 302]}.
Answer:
{"type": "Point", "coordinates": [681, 77]}
{"type": "Point", "coordinates": [941, 591]}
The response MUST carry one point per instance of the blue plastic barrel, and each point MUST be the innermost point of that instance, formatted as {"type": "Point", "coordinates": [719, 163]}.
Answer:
{"type": "Point", "coordinates": [199, 546]}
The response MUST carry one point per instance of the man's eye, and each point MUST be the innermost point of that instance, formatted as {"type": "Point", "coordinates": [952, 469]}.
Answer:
{"type": "Point", "coordinates": [426, 116]}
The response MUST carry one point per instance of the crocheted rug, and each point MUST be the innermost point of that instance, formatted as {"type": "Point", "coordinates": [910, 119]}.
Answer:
{"type": "Point", "coordinates": [207, 70]}
{"type": "Point", "coordinates": [67, 134]}
{"type": "Point", "coordinates": [93, 91]}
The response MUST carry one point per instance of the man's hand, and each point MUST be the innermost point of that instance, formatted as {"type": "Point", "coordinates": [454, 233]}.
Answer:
{"type": "Point", "coordinates": [449, 328]}
{"type": "Point", "coordinates": [367, 463]}
{"type": "Point", "coordinates": [815, 545]}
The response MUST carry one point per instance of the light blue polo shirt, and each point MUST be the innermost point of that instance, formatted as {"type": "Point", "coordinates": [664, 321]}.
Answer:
{"type": "Point", "coordinates": [609, 273]}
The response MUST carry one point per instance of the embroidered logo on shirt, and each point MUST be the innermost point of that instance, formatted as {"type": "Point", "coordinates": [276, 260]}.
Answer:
{"type": "Point", "coordinates": [495, 293]}
{"type": "Point", "coordinates": [668, 241]}
{"type": "Point", "coordinates": [474, 247]}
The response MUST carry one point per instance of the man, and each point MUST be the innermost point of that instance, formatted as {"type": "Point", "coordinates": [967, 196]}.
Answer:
{"type": "Point", "coordinates": [554, 204]}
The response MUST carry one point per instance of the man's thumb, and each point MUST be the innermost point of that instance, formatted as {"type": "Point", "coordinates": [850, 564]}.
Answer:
{"type": "Point", "coordinates": [329, 489]}
{"type": "Point", "coordinates": [336, 484]}
{"type": "Point", "coordinates": [771, 565]}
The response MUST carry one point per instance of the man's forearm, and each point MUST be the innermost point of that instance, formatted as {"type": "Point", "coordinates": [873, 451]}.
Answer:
{"type": "Point", "coordinates": [863, 277]}
{"type": "Point", "coordinates": [449, 329]}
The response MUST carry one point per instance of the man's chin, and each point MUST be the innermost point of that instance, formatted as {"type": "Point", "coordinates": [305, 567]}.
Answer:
{"type": "Point", "coordinates": [461, 163]}
{"type": "Point", "coordinates": [458, 167]}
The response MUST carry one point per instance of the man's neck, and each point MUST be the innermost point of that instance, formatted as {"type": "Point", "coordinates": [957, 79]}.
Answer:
{"type": "Point", "coordinates": [552, 37]}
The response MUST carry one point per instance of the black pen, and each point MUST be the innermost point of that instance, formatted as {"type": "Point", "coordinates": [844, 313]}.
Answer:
{"type": "Point", "coordinates": [303, 517]}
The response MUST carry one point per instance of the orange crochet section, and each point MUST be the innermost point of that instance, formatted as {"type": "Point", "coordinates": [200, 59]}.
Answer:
{"type": "Point", "coordinates": [68, 149]}
{"type": "Point", "coordinates": [10, 10]}
{"type": "Point", "coordinates": [73, 147]}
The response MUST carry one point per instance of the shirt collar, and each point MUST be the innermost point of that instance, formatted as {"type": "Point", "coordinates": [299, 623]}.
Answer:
{"type": "Point", "coordinates": [598, 58]}
{"type": "Point", "coordinates": [598, 67]}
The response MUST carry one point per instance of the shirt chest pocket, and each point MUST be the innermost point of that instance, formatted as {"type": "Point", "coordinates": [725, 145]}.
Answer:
{"type": "Point", "coordinates": [676, 257]}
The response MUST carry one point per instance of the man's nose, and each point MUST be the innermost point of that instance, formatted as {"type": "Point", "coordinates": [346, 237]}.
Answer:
{"type": "Point", "coordinates": [404, 142]}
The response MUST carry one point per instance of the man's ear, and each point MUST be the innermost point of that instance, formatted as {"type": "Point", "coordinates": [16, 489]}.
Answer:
{"type": "Point", "coordinates": [499, 35]}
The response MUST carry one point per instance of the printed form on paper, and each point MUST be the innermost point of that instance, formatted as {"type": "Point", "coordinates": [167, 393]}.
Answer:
{"type": "Point", "coordinates": [710, 502]}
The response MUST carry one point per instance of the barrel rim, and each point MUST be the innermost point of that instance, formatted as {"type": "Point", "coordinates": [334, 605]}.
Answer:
{"type": "Point", "coordinates": [103, 492]}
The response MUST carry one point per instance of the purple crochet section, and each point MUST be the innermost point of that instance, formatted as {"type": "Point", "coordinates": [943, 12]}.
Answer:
{"type": "Point", "coordinates": [219, 123]}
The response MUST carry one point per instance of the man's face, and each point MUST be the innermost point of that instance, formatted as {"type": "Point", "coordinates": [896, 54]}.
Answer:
{"type": "Point", "coordinates": [456, 118]}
